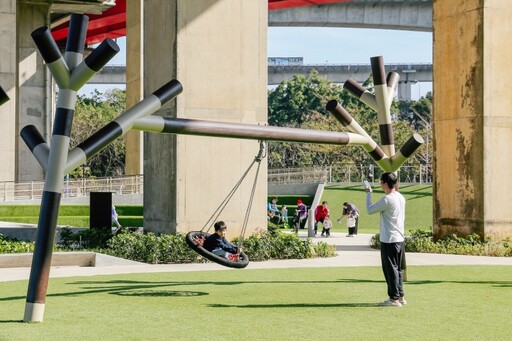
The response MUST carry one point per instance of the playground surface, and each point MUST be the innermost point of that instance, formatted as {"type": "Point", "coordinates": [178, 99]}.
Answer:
{"type": "Point", "coordinates": [354, 251]}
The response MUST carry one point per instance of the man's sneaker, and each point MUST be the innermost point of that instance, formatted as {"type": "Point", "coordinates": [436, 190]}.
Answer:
{"type": "Point", "coordinates": [390, 303]}
{"type": "Point", "coordinates": [402, 301]}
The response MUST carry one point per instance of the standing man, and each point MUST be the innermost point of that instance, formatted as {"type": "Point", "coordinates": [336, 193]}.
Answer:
{"type": "Point", "coordinates": [321, 211]}
{"type": "Point", "coordinates": [392, 218]}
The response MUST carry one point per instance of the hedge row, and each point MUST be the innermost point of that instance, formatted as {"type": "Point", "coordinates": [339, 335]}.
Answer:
{"type": "Point", "coordinates": [166, 248]}
{"type": "Point", "coordinates": [473, 245]}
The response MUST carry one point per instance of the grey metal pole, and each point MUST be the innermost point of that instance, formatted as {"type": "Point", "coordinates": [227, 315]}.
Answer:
{"type": "Point", "coordinates": [245, 131]}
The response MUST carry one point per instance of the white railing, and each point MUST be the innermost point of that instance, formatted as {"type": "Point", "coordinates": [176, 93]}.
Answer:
{"type": "Point", "coordinates": [299, 175]}
{"type": "Point", "coordinates": [82, 187]}
{"type": "Point", "coordinates": [72, 188]}
{"type": "Point", "coordinates": [348, 174]}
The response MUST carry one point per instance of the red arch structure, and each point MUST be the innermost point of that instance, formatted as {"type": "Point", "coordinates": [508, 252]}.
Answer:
{"type": "Point", "coordinates": [112, 23]}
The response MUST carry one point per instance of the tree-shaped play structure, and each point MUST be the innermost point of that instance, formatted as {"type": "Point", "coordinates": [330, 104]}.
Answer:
{"type": "Point", "coordinates": [380, 101]}
{"type": "Point", "coordinates": [71, 72]}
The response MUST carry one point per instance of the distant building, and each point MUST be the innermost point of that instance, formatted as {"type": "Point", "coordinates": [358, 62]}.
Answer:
{"type": "Point", "coordinates": [291, 61]}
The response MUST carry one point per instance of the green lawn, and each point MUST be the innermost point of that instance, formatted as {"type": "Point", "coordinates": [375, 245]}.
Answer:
{"type": "Point", "coordinates": [445, 303]}
{"type": "Point", "coordinates": [70, 215]}
{"type": "Point", "coordinates": [418, 209]}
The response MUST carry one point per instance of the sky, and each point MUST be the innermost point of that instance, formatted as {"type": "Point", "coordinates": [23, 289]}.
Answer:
{"type": "Point", "coordinates": [321, 45]}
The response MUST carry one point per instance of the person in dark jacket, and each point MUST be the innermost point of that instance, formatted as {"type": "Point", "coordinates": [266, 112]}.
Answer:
{"type": "Point", "coordinates": [218, 244]}
{"type": "Point", "coordinates": [352, 213]}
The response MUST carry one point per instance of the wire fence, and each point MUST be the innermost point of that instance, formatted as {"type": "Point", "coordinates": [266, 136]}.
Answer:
{"type": "Point", "coordinates": [346, 174]}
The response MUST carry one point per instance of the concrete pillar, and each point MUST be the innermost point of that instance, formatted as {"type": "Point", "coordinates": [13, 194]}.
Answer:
{"type": "Point", "coordinates": [8, 133]}
{"type": "Point", "coordinates": [472, 117]}
{"type": "Point", "coordinates": [134, 84]}
{"type": "Point", "coordinates": [34, 89]}
{"type": "Point", "coordinates": [404, 91]}
{"type": "Point", "coordinates": [217, 49]}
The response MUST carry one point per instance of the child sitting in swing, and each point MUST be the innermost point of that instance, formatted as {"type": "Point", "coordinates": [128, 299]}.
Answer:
{"type": "Point", "coordinates": [217, 243]}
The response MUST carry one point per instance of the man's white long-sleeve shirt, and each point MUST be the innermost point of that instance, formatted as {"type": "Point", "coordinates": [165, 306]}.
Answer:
{"type": "Point", "coordinates": [392, 216]}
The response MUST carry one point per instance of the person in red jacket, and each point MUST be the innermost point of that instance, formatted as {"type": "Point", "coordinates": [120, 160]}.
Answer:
{"type": "Point", "coordinates": [321, 211]}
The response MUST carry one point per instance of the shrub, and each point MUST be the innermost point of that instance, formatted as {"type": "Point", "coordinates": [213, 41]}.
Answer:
{"type": "Point", "coordinates": [149, 248]}
{"type": "Point", "coordinates": [13, 245]}
{"type": "Point", "coordinates": [84, 239]}
{"type": "Point", "coordinates": [168, 248]}
{"type": "Point", "coordinates": [276, 245]}
{"type": "Point", "coordinates": [422, 241]}
{"type": "Point", "coordinates": [325, 250]}
{"type": "Point", "coordinates": [174, 249]}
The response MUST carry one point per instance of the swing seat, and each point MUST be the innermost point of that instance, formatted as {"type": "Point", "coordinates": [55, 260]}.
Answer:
{"type": "Point", "coordinates": [195, 240]}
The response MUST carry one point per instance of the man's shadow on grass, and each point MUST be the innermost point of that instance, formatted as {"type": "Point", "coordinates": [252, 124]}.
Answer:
{"type": "Point", "coordinates": [498, 284]}
{"type": "Point", "coordinates": [11, 321]}
{"type": "Point", "coordinates": [298, 305]}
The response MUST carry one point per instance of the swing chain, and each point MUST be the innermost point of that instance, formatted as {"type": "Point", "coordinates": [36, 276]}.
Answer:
{"type": "Point", "coordinates": [262, 152]}
{"type": "Point", "coordinates": [209, 223]}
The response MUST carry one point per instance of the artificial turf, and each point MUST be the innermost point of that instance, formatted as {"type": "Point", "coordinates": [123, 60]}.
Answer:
{"type": "Point", "coordinates": [444, 303]}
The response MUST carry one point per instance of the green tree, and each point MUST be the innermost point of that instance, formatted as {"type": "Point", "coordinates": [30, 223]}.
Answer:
{"type": "Point", "coordinates": [91, 114]}
{"type": "Point", "coordinates": [300, 103]}
{"type": "Point", "coordinates": [294, 101]}
{"type": "Point", "coordinates": [419, 115]}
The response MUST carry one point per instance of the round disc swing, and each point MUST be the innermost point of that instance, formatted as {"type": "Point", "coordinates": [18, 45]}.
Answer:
{"type": "Point", "coordinates": [195, 239]}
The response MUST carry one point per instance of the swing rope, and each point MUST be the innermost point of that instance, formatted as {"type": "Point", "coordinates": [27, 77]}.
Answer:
{"type": "Point", "coordinates": [214, 217]}
{"type": "Point", "coordinates": [258, 159]}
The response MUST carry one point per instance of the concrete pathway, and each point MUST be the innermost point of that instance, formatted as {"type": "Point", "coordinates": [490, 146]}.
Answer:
{"type": "Point", "coordinates": [351, 252]}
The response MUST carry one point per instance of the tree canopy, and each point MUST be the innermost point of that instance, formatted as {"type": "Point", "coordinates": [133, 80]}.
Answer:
{"type": "Point", "coordinates": [91, 114]}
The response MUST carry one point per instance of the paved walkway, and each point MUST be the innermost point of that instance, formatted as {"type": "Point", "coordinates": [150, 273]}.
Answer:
{"type": "Point", "coordinates": [351, 252]}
